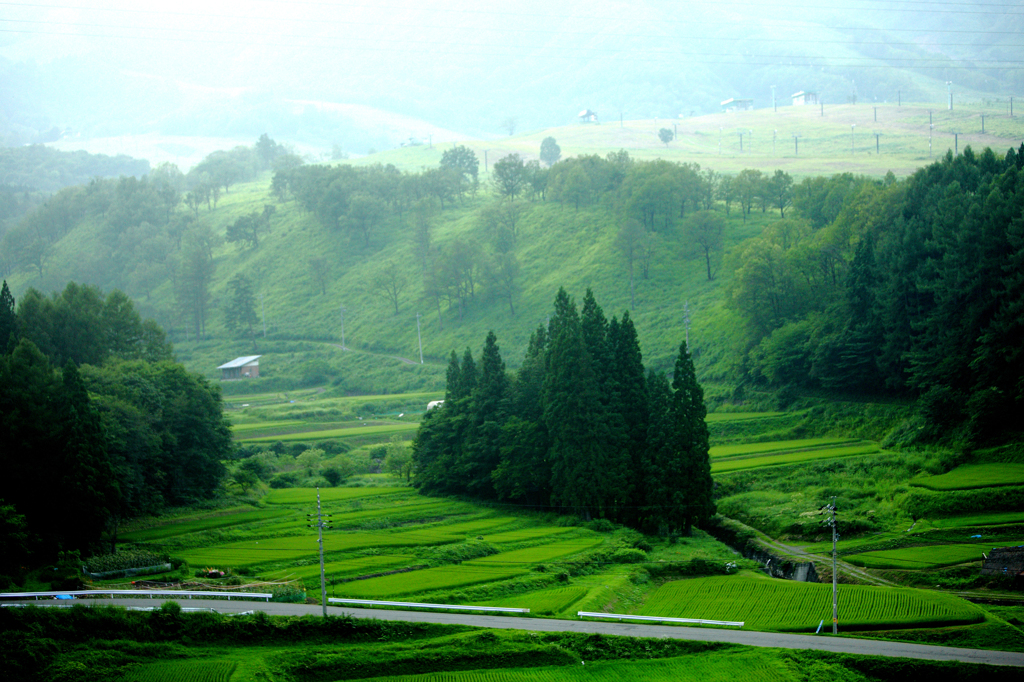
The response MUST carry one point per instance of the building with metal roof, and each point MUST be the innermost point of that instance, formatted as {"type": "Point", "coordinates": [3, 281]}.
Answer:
{"type": "Point", "coordinates": [246, 367]}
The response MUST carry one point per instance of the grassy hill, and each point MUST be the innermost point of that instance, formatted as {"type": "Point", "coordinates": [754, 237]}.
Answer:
{"type": "Point", "coordinates": [557, 246]}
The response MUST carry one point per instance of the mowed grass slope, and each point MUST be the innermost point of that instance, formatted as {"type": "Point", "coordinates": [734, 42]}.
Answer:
{"type": "Point", "coordinates": [784, 605]}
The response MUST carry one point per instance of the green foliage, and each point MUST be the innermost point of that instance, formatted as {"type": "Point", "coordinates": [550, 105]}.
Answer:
{"type": "Point", "coordinates": [122, 560]}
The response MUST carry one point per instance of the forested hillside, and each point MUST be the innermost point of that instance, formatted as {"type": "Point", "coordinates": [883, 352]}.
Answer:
{"type": "Point", "coordinates": [873, 286]}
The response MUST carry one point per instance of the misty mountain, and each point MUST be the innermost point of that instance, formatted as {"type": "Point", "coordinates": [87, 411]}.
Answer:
{"type": "Point", "coordinates": [238, 70]}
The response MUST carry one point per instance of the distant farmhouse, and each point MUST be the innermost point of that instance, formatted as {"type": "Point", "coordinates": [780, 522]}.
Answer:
{"type": "Point", "coordinates": [801, 98]}
{"type": "Point", "coordinates": [588, 116]}
{"type": "Point", "coordinates": [246, 367]}
{"type": "Point", "coordinates": [730, 105]}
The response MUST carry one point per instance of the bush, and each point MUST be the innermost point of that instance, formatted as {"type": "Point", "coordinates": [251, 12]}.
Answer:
{"type": "Point", "coordinates": [628, 556]}
{"type": "Point", "coordinates": [124, 559]}
{"type": "Point", "coordinates": [601, 525]}
{"type": "Point", "coordinates": [286, 480]}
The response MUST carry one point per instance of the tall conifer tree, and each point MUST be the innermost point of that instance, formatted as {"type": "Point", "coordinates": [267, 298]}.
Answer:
{"type": "Point", "coordinates": [692, 442]}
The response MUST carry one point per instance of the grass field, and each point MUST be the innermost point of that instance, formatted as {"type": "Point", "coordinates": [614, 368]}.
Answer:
{"type": "Point", "coordinates": [764, 604]}
{"type": "Point", "coordinates": [970, 476]}
{"type": "Point", "coordinates": [723, 465]}
{"type": "Point", "coordinates": [931, 556]}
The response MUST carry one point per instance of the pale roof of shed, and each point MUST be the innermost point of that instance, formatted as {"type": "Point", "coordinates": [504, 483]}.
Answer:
{"type": "Point", "coordinates": [241, 362]}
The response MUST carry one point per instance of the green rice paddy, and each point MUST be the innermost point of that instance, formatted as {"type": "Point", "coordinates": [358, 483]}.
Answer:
{"type": "Point", "coordinates": [931, 556]}
{"type": "Point", "coordinates": [425, 580]}
{"type": "Point", "coordinates": [307, 496]}
{"type": "Point", "coordinates": [970, 476]}
{"type": "Point", "coordinates": [724, 465]}
{"type": "Point", "coordinates": [785, 605]}
{"type": "Point", "coordinates": [183, 671]}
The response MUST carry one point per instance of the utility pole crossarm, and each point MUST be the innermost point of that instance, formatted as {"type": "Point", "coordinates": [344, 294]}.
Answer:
{"type": "Point", "coordinates": [830, 509]}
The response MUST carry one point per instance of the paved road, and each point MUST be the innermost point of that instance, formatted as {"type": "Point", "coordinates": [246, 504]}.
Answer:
{"type": "Point", "coordinates": [846, 645]}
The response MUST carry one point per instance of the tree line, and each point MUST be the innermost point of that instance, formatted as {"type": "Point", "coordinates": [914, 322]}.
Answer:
{"type": "Point", "coordinates": [97, 422]}
{"type": "Point", "coordinates": [581, 427]}
{"type": "Point", "coordinates": [911, 287]}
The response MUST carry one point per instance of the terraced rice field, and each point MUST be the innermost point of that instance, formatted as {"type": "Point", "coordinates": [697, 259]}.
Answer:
{"type": "Point", "coordinates": [425, 580]}
{"type": "Point", "coordinates": [970, 476]}
{"type": "Point", "coordinates": [739, 416]}
{"type": "Point", "coordinates": [777, 446]}
{"type": "Point", "coordinates": [536, 555]}
{"type": "Point", "coordinates": [400, 510]}
{"type": "Point", "coordinates": [777, 456]}
{"type": "Point", "coordinates": [254, 552]}
{"type": "Point", "coordinates": [990, 519]}
{"type": "Point", "coordinates": [713, 667]}
{"type": "Point", "coordinates": [932, 556]}
{"type": "Point", "coordinates": [354, 431]}
{"type": "Point", "coordinates": [307, 496]}
{"type": "Point", "coordinates": [543, 602]}
{"type": "Point", "coordinates": [783, 605]}
{"type": "Point", "coordinates": [337, 569]}
{"type": "Point", "coordinates": [526, 534]}
{"type": "Point", "coordinates": [182, 671]}
{"type": "Point", "coordinates": [210, 522]}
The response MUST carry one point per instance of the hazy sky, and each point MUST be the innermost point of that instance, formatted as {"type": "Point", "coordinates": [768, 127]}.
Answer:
{"type": "Point", "coordinates": [546, 58]}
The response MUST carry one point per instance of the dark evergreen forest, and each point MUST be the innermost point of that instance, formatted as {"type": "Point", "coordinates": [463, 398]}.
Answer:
{"type": "Point", "coordinates": [579, 428]}
{"type": "Point", "coordinates": [97, 422]}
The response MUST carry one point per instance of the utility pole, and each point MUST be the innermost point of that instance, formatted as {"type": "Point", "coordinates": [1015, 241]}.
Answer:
{"type": "Point", "coordinates": [949, 88]}
{"type": "Point", "coordinates": [877, 135]}
{"type": "Point", "coordinates": [983, 124]}
{"type": "Point", "coordinates": [320, 525]}
{"type": "Point", "coordinates": [876, 114]}
{"type": "Point", "coordinates": [419, 337]}
{"type": "Point", "coordinates": [796, 144]}
{"type": "Point", "coordinates": [956, 144]}
{"type": "Point", "coordinates": [931, 128]}
{"type": "Point", "coordinates": [831, 521]}
{"type": "Point", "coordinates": [741, 141]}
{"type": "Point", "coordinates": [343, 328]}
{"type": "Point", "coordinates": [852, 126]}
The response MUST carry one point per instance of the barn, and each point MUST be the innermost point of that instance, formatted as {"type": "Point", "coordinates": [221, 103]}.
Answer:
{"type": "Point", "coordinates": [245, 367]}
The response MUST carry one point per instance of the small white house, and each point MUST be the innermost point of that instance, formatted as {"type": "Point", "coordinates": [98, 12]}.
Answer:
{"type": "Point", "coordinates": [246, 367]}
{"type": "Point", "coordinates": [732, 104]}
{"type": "Point", "coordinates": [801, 98]}
{"type": "Point", "coordinates": [434, 403]}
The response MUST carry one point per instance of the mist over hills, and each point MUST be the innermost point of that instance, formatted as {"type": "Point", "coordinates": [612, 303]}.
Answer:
{"type": "Point", "coordinates": [224, 69]}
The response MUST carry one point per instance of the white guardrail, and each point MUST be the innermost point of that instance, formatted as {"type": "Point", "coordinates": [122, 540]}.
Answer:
{"type": "Point", "coordinates": [415, 605]}
{"type": "Point", "coordinates": [135, 593]}
{"type": "Point", "coordinates": [660, 619]}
